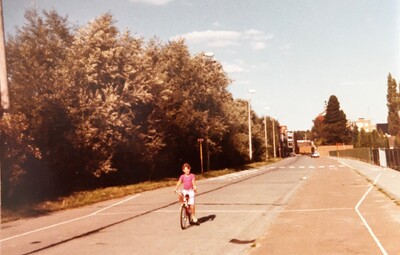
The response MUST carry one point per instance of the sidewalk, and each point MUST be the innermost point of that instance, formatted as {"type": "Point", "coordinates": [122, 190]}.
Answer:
{"type": "Point", "coordinates": [323, 217]}
{"type": "Point", "coordinates": [388, 181]}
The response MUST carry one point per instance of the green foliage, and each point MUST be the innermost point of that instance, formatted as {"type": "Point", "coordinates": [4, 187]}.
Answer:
{"type": "Point", "coordinates": [373, 139]}
{"type": "Point", "coordinates": [17, 148]}
{"type": "Point", "coordinates": [317, 131]}
{"type": "Point", "coordinates": [335, 129]}
{"type": "Point", "coordinates": [96, 107]}
{"type": "Point", "coordinates": [355, 136]}
{"type": "Point", "coordinates": [393, 104]}
{"type": "Point", "coordinates": [331, 128]}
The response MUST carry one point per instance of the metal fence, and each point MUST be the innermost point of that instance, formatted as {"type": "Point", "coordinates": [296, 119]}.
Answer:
{"type": "Point", "coordinates": [363, 154]}
{"type": "Point", "coordinates": [393, 158]}
{"type": "Point", "coordinates": [381, 157]}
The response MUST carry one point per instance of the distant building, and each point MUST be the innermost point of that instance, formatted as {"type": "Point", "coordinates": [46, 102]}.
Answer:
{"type": "Point", "coordinates": [290, 140]}
{"type": "Point", "coordinates": [286, 141]}
{"type": "Point", "coordinates": [305, 146]}
{"type": "Point", "coordinates": [365, 124]}
{"type": "Point", "coordinates": [382, 127]}
{"type": "Point", "coordinates": [282, 147]}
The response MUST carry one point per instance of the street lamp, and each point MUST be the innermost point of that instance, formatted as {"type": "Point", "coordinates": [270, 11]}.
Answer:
{"type": "Point", "coordinates": [200, 140]}
{"type": "Point", "coordinates": [265, 135]}
{"type": "Point", "coordinates": [273, 136]}
{"type": "Point", "coordinates": [250, 91]}
{"type": "Point", "coordinates": [209, 57]}
{"type": "Point", "coordinates": [208, 54]}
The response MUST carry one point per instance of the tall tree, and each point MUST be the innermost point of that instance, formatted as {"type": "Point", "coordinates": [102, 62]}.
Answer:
{"type": "Point", "coordinates": [235, 141]}
{"type": "Point", "coordinates": [189, 102]}
{"type": "Point", "coordinates": [35, 58]}
{"type": "Point", "coordinates": [335, 129]}
{"type": "Point", "coordinates": [317, 130]}
{"type": "Point", "coordinates": [393, 104]}
{"type": "Point", "coordinates": [103, 93]}
{"type": "Point", "coordinates": [363, 139]}
{"type": "Point", "coordinates": [355, 136]}
{"type": "Point", "coordinates": [42, 44]}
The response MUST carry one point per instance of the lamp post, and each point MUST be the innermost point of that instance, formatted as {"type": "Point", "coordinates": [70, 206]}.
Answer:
{"type": "Point", "coordinates": [5, 101]}
{"type": "Point", "coordinates": [250, 91]}
{"type": "Point", "coordinates": [200, 140]}
{"type": "Point", "coordinates": [209, 57]}
{"type": "Point", "coordinates": [265, 135]}
{"type": "Point", "coordinates": [273, 136]}
{"type": "Point", "coordinates": [208, 54]}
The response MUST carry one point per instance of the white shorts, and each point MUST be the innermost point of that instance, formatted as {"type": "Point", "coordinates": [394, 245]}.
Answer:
{"type": "Point", "coordinates": [191, 195]}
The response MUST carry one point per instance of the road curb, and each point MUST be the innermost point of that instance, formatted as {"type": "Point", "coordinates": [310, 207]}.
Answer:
{"type": "Point", "coordinates": [388, 182]}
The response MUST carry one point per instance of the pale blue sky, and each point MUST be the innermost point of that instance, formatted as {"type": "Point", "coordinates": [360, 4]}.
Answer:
{"type": "Point", "coordinates": [294, 53]}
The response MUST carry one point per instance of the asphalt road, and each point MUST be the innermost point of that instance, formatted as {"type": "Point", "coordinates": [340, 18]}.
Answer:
{"type": "Point", "coordinates": [258, 211]}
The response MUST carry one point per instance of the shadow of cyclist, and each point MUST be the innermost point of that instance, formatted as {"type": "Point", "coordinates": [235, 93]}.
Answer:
{"type": "Point", "coordinates": [206, 218]}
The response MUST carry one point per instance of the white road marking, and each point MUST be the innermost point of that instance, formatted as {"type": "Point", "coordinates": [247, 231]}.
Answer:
{"type": "Point", "coordinates": [260, 211]}
{"type": "Point", "coordinates": [120, 202]}
{"type": "Point", "coordinates": [235, 176]}
{"type": "Point", "coordinates": [365, 221]}
{"type": "Point", "coordinates": [69, 221]}
{"type": "Point", "coordinates": [249, 172]}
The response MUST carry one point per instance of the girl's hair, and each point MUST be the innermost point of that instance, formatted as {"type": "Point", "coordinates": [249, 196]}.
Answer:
{"type": "Point", "coordinates": [186, 165]}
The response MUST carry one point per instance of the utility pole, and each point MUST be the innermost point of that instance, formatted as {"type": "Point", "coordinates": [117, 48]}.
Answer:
{"type": "Point", "coordinates": [200, 140]}
{"type": "Point", "coordinates": [249, 120]}
{"type": "Point", "coordinates": [266, 138]}
{"type": "Point", "coordinates": [5, 101]}
{"type": "Point", "coordinates": [273, 136]}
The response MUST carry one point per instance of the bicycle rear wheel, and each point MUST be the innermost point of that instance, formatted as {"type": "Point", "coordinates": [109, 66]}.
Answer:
{"type": "Point", "coordinates": [184, 218]}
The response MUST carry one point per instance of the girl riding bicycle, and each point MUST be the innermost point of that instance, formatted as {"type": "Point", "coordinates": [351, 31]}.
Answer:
{"type": "Point", "coordinates": [189, 187]}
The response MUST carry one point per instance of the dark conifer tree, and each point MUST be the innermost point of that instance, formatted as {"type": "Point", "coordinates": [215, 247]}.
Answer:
{"type": "Point", "coordinates": [335, 129]}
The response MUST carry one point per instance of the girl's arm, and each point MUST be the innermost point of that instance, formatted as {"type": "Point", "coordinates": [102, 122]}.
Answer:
{"type": "Point", "coordinates": [194, 184]}
{"type": "Point", "coordinates": [178, 184]}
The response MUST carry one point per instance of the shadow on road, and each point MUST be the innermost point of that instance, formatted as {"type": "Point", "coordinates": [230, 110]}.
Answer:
{"type": "Point", "coordinates": [206, 218]}
{"type": "Point", "coordinates": [237, 241]}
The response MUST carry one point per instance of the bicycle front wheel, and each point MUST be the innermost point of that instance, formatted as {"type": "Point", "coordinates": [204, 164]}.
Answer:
{"type": "Point", "coordinates": [184, 217]}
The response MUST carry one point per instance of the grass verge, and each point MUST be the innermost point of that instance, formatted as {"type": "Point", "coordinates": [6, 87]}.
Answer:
{"type": "Point", "coordinates": [82, 198]}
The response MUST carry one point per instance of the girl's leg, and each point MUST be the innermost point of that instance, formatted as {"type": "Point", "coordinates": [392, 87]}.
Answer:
{"type": "Point", "coordinates": [192, 206]}
{"type": "Point", "coordinates": [193, 209]}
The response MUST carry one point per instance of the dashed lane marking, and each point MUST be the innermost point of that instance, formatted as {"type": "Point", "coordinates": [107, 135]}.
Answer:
{"type": "Point", "coordinates": [241, 174]}
{"type": "Point", "coordinates": [235, 175]}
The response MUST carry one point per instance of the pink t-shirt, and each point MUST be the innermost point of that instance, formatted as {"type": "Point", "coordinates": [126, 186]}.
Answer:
{"type": "Point", "coordinates": [187, 181]}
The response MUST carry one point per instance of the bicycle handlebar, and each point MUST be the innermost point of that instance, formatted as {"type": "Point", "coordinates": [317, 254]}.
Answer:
{"type": "Point", "coordinates": [180, 191]}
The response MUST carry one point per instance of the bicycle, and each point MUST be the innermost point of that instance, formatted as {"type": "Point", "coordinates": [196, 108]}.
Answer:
{"type": "Point", "coordinates": [185, 211]}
